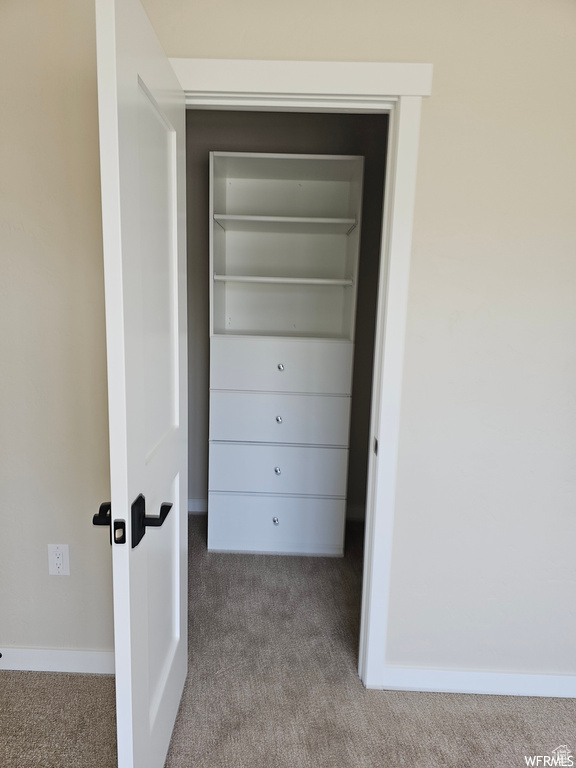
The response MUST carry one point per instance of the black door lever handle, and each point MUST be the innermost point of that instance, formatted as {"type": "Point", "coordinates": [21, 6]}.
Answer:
{"type": "Point", "coordinates": [156, 522]}
{"type": "Point", "coordinates": [104, 514]}
{"type": "Point", "coordinates": [141, 521]}
{"type": "Point", "coordinates": [104, 517]}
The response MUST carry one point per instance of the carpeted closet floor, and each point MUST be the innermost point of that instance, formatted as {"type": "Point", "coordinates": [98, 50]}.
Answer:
{"type": "Point", "coordinates": [273, 684]}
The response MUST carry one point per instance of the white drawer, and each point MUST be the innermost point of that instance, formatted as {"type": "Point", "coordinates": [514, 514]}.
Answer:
{"type": "Point", "coordinates": [281, 365]}
{"type": "Point", "coordinates": [279, 418]}
{"type": "Point", "coordinates": [252, 468]}
{"type": "Point", "coordinates": [245, 523]}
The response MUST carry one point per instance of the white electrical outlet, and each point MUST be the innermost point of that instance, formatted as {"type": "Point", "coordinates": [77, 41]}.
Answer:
{"type": "Point", "coordinates": [58, 560]}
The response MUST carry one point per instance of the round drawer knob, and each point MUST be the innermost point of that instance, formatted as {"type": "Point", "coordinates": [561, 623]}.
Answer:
{"type": "Point", "coordinates": [275, 521]}
{"type": "Point", "coordinates": [280, 366]}
{"type": "Point", "coordinates": [278, 419]}
{"type": "Point", "coordinates": [277, 471]}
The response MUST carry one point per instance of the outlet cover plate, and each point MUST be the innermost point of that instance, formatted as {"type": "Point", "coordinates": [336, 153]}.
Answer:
{"type": "Point", "coordinates": [58, 560]}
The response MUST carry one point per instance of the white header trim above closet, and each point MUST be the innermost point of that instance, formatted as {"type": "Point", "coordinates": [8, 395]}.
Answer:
{"type": "Point", "coordinates": [289, 85]}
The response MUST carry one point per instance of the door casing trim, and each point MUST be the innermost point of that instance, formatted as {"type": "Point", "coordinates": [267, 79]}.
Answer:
{"type": "Point", "coordinates": [353, 87]}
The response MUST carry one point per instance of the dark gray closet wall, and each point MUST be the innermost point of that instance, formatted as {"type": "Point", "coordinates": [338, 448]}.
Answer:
{"type": "Point", "coordinates": [328, 134]}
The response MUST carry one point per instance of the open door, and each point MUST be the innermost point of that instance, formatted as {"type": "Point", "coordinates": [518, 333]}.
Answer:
{"type": "Point", "coordinates": [142, 146]}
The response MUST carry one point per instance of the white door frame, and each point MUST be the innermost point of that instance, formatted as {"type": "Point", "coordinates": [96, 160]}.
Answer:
{"type": "Point", "coordinates": [396, 90]}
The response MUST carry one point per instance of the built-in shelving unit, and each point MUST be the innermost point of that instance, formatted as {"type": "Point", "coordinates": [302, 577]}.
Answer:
{"type": "Point", "coordinates": [284, 244]}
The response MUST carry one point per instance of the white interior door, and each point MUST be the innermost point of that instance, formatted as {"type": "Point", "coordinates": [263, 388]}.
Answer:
{"type": "Point", "coordinates": [142, 125]}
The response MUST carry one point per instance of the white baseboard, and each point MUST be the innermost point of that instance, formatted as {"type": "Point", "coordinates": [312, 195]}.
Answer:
{"type": "Point", "coordinates": [52, 660]}
{"type": "Point", "coordinates": [495, 683]}
{"type": "Point", "coordinates": [197, 506]}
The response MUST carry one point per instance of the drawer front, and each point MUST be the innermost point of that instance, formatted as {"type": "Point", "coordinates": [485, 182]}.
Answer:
{"type": "Point", "coordinates": [275, 524]}
{"type": "Point", "coordinates": [252, 468]}
{"type": "Point", "coordinates": [281, 365]}
{"type": "Point", "coordinates": [279, 418]}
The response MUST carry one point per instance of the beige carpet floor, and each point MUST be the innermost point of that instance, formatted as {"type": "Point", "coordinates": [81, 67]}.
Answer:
{"type": "Point", "coordinates": [273, 684]}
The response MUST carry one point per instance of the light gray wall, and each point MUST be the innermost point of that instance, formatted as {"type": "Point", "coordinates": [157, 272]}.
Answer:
{"type": "Point", "coordinates": [483, 572]}
{"type": "Point", "coordinates": [53, 412]}
{"type": "Point", "coordinates": [299, 133]}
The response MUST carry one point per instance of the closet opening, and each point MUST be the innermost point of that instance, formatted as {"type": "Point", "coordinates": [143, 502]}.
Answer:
{"type": "Point", "coordinates": [291, 133]}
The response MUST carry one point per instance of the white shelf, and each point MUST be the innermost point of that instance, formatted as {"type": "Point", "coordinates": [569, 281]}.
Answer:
{"type": "Point", "coordinates": [284, 167]}
{"type": "Point", "coordinates": [278, 335]}
{"type": "Point", "coordinates": [304, 224]}
{"type": "Point", "coordinates": [282, 280]}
